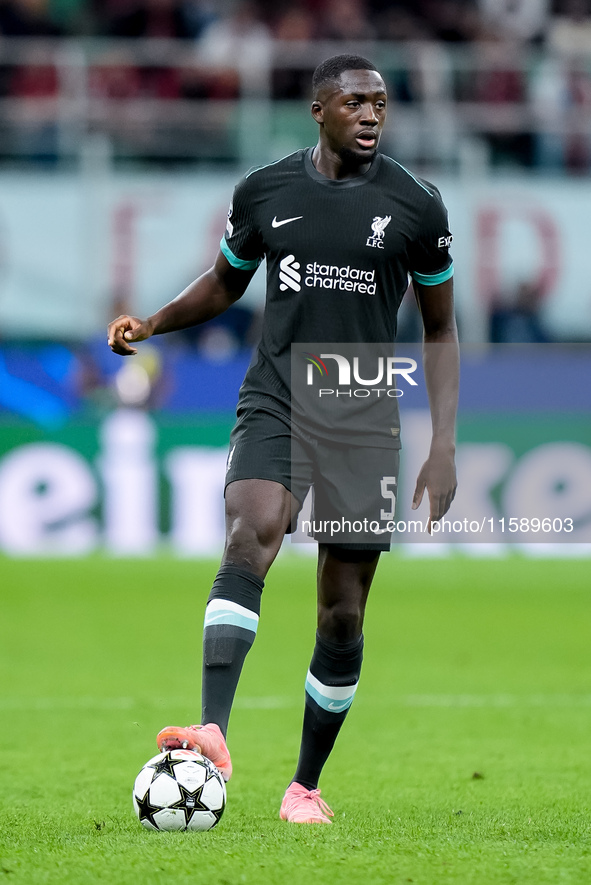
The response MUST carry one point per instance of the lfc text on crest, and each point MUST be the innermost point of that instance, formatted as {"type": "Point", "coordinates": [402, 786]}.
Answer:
{"type": "Point", "coordinates": [378, 227]}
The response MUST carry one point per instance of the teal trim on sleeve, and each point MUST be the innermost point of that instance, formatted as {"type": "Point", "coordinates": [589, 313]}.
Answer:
{"type": "Point", "coordinates": [434, 279]}
{"type": "Point", "coordinates": [420, 184]}
{"type": "Point", "coordinates": [237, 262]}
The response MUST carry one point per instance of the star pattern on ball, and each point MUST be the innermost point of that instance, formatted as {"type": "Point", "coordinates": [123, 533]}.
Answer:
{"type": "Point", "coordinates": [212, 771]}
{"type": "Point", "coordinates": [190, 802]}
{"type": "Point", "coordinates": [145, 810]}
{"type": "Point", "coordinates": [165, 766]}
{"type": "Point", "coordinates": [216, 814]}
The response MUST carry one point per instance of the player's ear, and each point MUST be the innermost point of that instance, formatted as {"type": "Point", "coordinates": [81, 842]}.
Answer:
{"type": "Point", "coordinates": [317, 111]}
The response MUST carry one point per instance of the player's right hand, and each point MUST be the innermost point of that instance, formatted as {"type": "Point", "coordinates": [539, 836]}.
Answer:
{"type": "Point", "coordinates": [127, 329]}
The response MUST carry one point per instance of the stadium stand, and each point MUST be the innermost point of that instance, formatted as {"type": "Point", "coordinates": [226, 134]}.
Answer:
{"type": "Point", "coordinates": [167, 80]}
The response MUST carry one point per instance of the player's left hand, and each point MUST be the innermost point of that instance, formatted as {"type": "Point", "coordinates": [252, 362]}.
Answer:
{"type": "Point", "coordinates": [438, 476]}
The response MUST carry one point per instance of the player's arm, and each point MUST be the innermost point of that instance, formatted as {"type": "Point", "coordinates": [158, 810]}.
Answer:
{"type": "Point", "coordinates": [441, 363]}
{"type": "Point", "coordinates": [206, 297]}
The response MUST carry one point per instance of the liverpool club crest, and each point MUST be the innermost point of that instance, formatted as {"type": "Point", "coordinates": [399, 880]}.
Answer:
{"type": "Point", "coordinates": [378, 227]}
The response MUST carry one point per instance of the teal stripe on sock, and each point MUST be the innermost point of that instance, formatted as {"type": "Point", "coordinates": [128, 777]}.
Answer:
{"type": "Point", "coordinates": [335, 698]}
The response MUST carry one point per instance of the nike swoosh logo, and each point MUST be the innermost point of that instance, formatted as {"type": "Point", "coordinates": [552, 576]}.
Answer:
{"type": "Point", "coordinates": [276, 223]}
{"type": "Point", "coordinates": [337, 707]}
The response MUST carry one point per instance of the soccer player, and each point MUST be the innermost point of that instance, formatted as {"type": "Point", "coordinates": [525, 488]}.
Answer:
{"type": "Point", "coordinates": [341, 227]}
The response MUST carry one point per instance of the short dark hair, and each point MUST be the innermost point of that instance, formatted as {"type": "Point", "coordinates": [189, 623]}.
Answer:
{"type": "Point", "coordinates": [330, 70]}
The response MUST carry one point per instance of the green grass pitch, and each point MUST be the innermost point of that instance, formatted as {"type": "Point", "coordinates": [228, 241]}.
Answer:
{"type": "Point", "coordinates": [465, 758]}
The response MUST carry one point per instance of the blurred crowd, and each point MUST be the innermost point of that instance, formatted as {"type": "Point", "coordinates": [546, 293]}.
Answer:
{"type": "Point", "coordinates": [564, 24]}
{"type": "Point", "coordinates": [553, 80]}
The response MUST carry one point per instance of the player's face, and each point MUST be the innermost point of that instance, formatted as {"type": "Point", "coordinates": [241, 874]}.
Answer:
{"type": "Point", "coordinates": [352, 115]}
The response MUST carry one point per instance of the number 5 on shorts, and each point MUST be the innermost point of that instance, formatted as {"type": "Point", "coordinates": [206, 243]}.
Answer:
{"type": "Point", "coordinates": [389, 494]}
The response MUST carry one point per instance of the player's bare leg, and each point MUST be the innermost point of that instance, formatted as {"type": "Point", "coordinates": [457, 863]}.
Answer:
{"type": "Point", "coordinates": [258, 513]}
{"type": "Point", "coordinates": [344, 580]}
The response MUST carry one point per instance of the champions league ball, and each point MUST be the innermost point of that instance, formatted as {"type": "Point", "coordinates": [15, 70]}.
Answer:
{"type": "Point", "coordinates": [179, 790]}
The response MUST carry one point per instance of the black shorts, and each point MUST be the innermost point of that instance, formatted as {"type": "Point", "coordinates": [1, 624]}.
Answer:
{"type": "Point", "coordinates": [354, 487]}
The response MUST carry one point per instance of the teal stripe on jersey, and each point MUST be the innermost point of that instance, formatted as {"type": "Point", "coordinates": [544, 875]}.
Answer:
{"type": "Point", "coordinates": [224, 611]}
{"type": "Point", "coordinates": [238, 263]}
{"type": "Point", "coordinates": [433, 279]}
{"type": "Point", "coordinates": [266, 165]}
{"type": "Point", "coordinates": [420, 183]}
{"type": "Point", "coordinates": [334, 698]}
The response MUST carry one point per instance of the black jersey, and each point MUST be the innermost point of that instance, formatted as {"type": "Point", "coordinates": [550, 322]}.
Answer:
{"type": "Point", "coordinates": [339, 255]}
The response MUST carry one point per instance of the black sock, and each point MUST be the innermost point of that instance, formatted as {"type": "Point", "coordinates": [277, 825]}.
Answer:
{"type": "Point", "coordinates": [231, 621]}
{"type": "Point", "coordinates": [330, 687]}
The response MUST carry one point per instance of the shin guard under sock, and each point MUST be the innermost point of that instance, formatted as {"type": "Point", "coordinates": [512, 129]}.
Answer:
{"type": "Point", "coordinates": [231, 621]}
{"type": "Point", "coordinates": [330, 687]}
